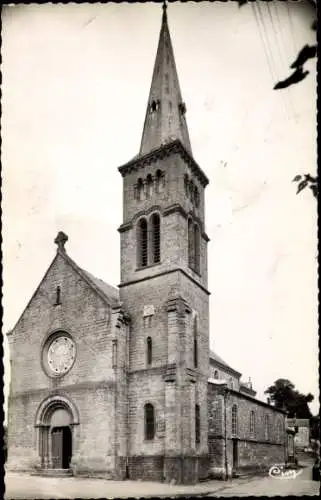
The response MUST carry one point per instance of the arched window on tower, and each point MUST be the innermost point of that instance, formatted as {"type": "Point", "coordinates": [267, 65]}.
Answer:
{"type": "Point", "coordinates": [149, 415]}
{"type": "Point", "coordinates": [186, 184]}
{"type": "Point", "coordinates": [197, 424]}
{"type": "Point", "coordinates": [191, 245]}
{"type": "Point", "coordinates": [197, 243]}
{"type": "Point", "coordinates": [139, 189]}
{"type": "Point", "coordinates": [191, 190]}
{"type": "Point", "coordinates": [195, 346]}
{"type": "Point", "coordinates": [155, 238]}
{"type": "Point", "coordinates": [142, 243]}
{"type": "Point", "coordinates": [149, 186]}
{"type": "Point", "coordinates": [149, 350]}
{"type": "Point", "coordinates": [196, 197]}
{"type": "Point", "coordinates": [160, 181]}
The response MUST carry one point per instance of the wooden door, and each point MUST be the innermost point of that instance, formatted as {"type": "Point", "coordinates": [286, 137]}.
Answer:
{"type": "Point", "coordinates": [235, 454]}
{"type": "Point", "coordinates": [57, 447]}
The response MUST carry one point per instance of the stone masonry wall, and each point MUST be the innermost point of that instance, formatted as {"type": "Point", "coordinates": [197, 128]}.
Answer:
{"type": "Point", "coordinates": [90, 382]}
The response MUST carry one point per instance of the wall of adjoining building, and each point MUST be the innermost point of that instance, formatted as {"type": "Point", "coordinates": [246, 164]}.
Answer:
{"type": "Point", "coordinates": [255, 449]}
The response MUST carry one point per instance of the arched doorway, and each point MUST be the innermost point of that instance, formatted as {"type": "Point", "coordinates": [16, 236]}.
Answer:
{"type": "Point", "coordinates": [61, 438]}
{"type": "Point", "coordinates": [56, 418]}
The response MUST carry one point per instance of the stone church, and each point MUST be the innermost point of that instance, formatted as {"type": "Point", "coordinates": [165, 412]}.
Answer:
{"type": "Point", "coordinates": [120, 382]}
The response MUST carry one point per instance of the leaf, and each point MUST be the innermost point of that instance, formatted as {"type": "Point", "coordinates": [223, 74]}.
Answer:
{"type": "Point", "coordinates": [301, 186]}
{"type": "Point", "coordinates": [314, 189]}
{"type": "Point", "coordinates": [297, 178]}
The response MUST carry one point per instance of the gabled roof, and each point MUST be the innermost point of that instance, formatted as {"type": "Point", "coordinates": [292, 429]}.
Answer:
{"type": "Point", "coordinates": [108, 293]}
{"type": "Point", "coordinates": [217, 359]}
{"type": "Point", "coordinates": [108, 290]}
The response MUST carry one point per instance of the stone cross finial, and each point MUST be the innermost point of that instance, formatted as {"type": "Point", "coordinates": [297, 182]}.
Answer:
{"type": "Point", "coordinates": [60, 240]}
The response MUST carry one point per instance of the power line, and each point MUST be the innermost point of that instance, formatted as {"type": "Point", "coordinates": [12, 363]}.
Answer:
{"type": "Point", "coordinates": [291, 25]}
{"type": "Point", "coordinates": [263, 43]}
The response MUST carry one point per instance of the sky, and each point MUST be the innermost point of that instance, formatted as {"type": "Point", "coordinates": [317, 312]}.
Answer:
{"type": "Point", "coordinates": [76, 80]}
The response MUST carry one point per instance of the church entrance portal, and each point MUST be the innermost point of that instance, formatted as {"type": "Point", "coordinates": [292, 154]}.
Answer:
{"type": "Point", "coordinates": [56, 419]}
{"type": "Point", "coordinates": [61, 446]}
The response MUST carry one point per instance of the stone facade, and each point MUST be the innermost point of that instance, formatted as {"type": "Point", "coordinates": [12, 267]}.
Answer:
{"type": "Point", "coordinates": [114, 382]}
{"type": "Point", "coordinates": [254, 438]}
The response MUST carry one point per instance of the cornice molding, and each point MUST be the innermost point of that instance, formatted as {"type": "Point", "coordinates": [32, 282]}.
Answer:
{"type": "Point", "coordinates": [161, 153]}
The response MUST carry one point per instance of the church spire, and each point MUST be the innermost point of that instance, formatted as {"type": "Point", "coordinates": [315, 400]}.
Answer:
{"type": "Point", "coordinates": [165, 116]}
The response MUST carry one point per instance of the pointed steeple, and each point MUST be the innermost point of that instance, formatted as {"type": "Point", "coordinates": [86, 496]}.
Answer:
{"type": "Point", "coordinates": [165, 116]}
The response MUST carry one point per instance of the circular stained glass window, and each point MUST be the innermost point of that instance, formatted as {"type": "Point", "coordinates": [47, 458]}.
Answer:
{"type": "Point", "coordinates": [60, 353]}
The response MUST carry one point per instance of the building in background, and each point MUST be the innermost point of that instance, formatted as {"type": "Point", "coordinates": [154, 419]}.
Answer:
{"type": "Point", "coordinates": [120, 381]}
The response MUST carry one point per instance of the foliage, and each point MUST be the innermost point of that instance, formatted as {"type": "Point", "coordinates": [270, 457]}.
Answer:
{"type": "Point", "coordinates": [307, 180]}
{"type": "Point", "coordinates": [307, 52]}
{"type": "Point", "coordinates": [284, 396]}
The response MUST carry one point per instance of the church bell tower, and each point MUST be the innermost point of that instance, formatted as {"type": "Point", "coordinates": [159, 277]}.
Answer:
{"type": "Point", "coordinates": [164, 288]}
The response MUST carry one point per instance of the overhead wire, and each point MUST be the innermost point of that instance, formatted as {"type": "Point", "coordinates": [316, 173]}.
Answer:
{"type": "Point", "coordinates": [285, 60]}
{"type": "Point", "coordinates": [284, 64]}
{"type": "Point", "coordinates": [291, 26]}
{"type": "Point", "coordinates": [266, 52]}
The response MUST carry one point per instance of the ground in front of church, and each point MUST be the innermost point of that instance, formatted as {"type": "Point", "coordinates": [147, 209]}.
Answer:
{"type": "Point", "coordinates": [20, 486]}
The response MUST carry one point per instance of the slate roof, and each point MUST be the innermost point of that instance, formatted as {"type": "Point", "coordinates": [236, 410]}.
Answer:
{"type": "Point", "coordinates": [110, 291]}
{"type": "Point", "coordinates": [218, 359]}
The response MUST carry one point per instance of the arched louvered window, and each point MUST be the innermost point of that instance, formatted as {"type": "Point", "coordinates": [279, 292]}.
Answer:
{"type": "Point", "coordinates": [149, 348]}
{"type": "Point", "coordinates": [155, 238]}
{"type": "Point", "coordinates": [197, 424]}
{"type": "Point", "coordinates": [142, 243]}
{"type": "Point", "coordinates": [234, 420]}
{"type": "Point", "coordinates": [195, 343]}
{"type": "Point", "coordinates": [139, 189]}
{"type": "Point", "coordinates": [149, 415]}
{"type": "Point", "coordinates": [191, 245]}
{"type": "Point", "coordinates": [197, 243]}
{"type": "Point", "coordinates": [149, 186]}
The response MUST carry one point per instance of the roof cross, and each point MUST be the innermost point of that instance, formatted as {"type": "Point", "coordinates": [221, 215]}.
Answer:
{"type": "Point", "coordinates": [60, 240]}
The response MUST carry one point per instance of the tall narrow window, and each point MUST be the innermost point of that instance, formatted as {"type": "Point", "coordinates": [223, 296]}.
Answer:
{"type": "Point", "coordinates": [197, 247]}
{"type": "Point", "coordinates": [160, 181]}
{"type": "Point", "coordinates": [149, 186]}
{"type": "Point", "coordinates": [278, 431]}
{"type": "Point", "coordinates": [252, 423]}
{"type": "Point", "coordinates": [197, 424]}
{"type": "Point", "coordinates": [234, 420]}
{"type": "Point", "coordinates": [58, 296]}
{"type": "Point", "coordinates": [149, 350]}
{"type": "Point", "coordinates": [186, 184]}
{"type": "Point", "coordinates": [191, 246]}
{"type": "Point", "coordinates": [195, 343]}
{"type": "Point", "coordinates": [196, 197]}
{"type": "Point", "coordinates": [142, 246]}
{"type": "Point", "coordinates": [266, 427]}
{"type": "Point", "coordinates": [149, 421]}
{"type": "Point", "coordinates": [139, 189]}
{"type": "Point", "coordinates": [155, 237]}
{"type": "Point", "coordinates": [215, 374]}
